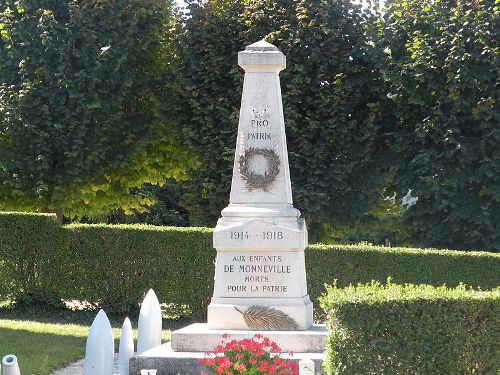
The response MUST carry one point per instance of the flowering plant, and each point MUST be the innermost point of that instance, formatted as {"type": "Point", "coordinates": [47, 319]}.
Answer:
{"type": "Point", "coordinates": [249, 356]}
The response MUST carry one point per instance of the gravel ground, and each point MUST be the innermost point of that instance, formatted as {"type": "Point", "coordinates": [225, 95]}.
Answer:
{"type": "Point", "coordinates": [76, 368]}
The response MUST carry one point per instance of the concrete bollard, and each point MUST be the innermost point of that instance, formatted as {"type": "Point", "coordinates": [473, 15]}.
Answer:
{"type": "Point", "coordinates": [150, 325]}
{"type": "Point", "coordinates": [306, 367]}
{"type": "Point", "coordinates": [100, 349]}
{"type": "Point", "coordinates": [126, 349]}
{"type": "Point", "coordinates": [10, 365]}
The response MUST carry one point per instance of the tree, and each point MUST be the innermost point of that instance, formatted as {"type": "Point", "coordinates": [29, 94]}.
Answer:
{"type": "Point", "coordinates": [441, 64]}
{"type": "Point", "coordinates": [330, 94]}
{"type": "Point", "coordinates": [80, 124]}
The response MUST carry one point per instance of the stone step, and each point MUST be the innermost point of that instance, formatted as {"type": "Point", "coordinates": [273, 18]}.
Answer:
{"type": "Point", "coordinates": [167, 362]}
{"type": "Point", "coordinates": [199, 338]}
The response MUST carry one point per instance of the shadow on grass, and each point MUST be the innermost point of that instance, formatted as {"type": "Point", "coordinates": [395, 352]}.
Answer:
{"type": "Point", "coordinates": [45, 314]}
{"type": "Point", "coordinates": [40, 353]}
{"type": "Point", "coordinates": [60, 315]}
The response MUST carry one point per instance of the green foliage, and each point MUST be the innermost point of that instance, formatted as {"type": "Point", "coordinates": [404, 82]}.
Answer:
{"type": "Point", "coordinates": [330, 94]}
{"type": "Point", "coordinates": [441, 64]}
{"type": "Point", "coordinates": [114, 266]}
{"type": "Point", "coordinates": [166, 210]}
{"type": "Point", "coordinates": [353, 264]}
{"type": "Point", "coordinates": [33, 251]}
{"type": "Point", "coordinates": [43, 348]}
{"type": "Point", "coordinates": [80, 124]}
{"type": "Point", "coordinates": [393, 329]}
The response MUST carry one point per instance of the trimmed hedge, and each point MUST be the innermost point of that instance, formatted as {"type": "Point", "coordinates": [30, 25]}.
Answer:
{"type": "Point", "coordinates": [406, 329]}
{"type": "Point", "coordinates": [112, 266]}
{"type": "Point", "coordinates": [353, 264]}
{"type": "Point", "coordinates": [33, 252]}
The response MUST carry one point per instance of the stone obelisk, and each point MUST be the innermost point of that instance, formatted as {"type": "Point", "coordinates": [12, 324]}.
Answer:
{"type": "Point", "coordinates": [260, 278]}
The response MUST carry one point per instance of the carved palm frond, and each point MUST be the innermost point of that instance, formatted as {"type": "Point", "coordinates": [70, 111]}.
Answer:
{"type": "Point", "coordinates": [267, 318]}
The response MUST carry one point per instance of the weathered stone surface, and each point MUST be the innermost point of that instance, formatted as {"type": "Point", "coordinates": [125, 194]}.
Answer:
{"type": "Point", "coordinates": [260, 277]}
{"type": "Point", "coordinates": [260, 239]}
{"type": "Point", "coordinates": [199, 337]}
{"type": "Point", "coordinates": [168, 362]}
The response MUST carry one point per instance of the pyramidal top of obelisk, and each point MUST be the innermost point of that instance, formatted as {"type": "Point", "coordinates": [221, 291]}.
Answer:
{"type": "Point", "coordinates": [260, 184]}
{"type": "Point", "coordinates": [260, 238]}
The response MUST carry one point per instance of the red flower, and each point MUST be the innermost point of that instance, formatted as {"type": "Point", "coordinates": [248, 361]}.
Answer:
{"type": "Point", "coordinates": [207, 361]}
{"type": "Point", "coordinates": [240, 367]}
{"type": "Point", "coordinates": [224, 362]}
{"type": "Point", "coordinates": [219, 349]}
{"type": "Point", "coordinates": [257, 355]}
{"type": "Point", "coordinates": [275, 348]}
{"type": "Point", "coordinates": [282, 364]}
{"type": "Point", "coordinates": [263, 366]}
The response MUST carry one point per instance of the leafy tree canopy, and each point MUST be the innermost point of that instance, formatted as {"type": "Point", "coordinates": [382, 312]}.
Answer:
{"type": "Point", "coordinates": [80, 124]}
{"type": "Point", "coordinates": [441, 64]}
{"type": "Point", "coordinates": [330, 95]}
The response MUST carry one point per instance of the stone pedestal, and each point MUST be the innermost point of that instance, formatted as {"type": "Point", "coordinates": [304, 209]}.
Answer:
{"type": "Point", "coordinates": [260, 278]}
{"type": "Point", "coordinates": [168, 362]}
{"type": "Point", "coordinates": [198, 336]}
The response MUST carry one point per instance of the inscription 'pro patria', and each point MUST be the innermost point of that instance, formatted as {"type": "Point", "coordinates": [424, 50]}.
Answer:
{"type": "Point", "coordinates": [260, 280]}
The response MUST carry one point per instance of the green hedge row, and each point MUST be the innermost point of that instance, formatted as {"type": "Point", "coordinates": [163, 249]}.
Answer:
{"type": "Point", "coordinates": [33, 254]}
{"type": "Point", "coordinates": [113, 266]}
{"type": "Point", "coordinates": [406, 329]}
{"type": "Point", "coordinates": [353, 264]}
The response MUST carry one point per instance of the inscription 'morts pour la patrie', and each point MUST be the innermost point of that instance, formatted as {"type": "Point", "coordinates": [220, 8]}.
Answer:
{"type": "Point", "coordinates": [260, 239]}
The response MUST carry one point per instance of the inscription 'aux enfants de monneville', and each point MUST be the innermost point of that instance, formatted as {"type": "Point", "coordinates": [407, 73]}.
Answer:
{"type": "Point", "coordinates": [245, 264]}
{"type": "Point", "coordinates": [260, 239]}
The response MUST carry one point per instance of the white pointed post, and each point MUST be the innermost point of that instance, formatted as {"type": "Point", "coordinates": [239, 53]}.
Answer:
{"type": "Point", "coordinates": [126, 349]}
{"type": "Point", "coordinates": [306, 367]}
{"type": "Point", "coordinates": [150, 325]}
{"type": "Point", "coordinates": [99, 352]}
{"type": "Point", "coordinates": [10, 365]}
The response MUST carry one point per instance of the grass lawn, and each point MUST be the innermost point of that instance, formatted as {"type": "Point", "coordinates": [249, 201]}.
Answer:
{"type": "Point", "coordinates": [44, 347]}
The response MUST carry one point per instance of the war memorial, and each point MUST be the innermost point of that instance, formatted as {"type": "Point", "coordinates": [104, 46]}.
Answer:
{"type": "Point", "coordinates": [260, 278]}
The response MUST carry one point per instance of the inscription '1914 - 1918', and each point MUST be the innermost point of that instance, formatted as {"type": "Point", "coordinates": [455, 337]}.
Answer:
{"type": "Point", "coordinates": [266, 235]}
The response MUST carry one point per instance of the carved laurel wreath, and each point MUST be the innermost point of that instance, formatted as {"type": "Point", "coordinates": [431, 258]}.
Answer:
{"type": "Point", "coordinates": [267, 318]}
{"type": "Point", "coordinates": [255, 180]}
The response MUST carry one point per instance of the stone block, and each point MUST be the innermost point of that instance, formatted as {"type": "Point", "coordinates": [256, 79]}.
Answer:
{"type": "Point", "coordinates": [167, 362]}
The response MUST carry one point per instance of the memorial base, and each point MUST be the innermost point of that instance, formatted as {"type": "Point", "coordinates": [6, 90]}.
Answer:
{"type": "Point", "coordinates": [189, 344]}
{"type": "Point", "coordinates": [226, 312]}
